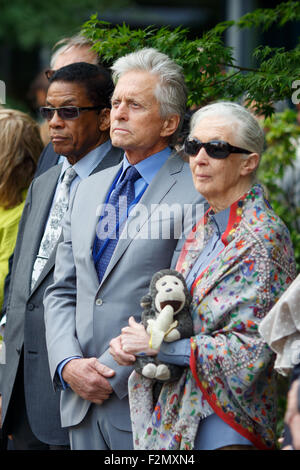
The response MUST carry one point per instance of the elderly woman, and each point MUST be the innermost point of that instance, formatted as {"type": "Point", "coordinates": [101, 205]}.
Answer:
{"type": "Point", "coordinates": [237, 262]}
{"type": "Point", "coordinates": [20, 148]}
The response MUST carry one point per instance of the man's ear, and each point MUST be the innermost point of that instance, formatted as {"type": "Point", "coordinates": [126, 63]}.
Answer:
{"type": "Point", "coordinates": [250, 164]}
{"type": "Point", "coordinates": [170, 125]}
{"type": "Point", "coordinates": [104, 119]}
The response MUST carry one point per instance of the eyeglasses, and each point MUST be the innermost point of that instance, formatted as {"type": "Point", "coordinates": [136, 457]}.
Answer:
{"type": "Point", "coordinates": [65, 112]}
{"type": "Point", "coordinates": [215, 149]}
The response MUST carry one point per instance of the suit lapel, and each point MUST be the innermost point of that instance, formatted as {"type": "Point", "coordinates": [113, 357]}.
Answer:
{"type": "Point", "coordinates": [96, 204]}
{"type": "Point", "coordinates": [41, 212]}
{"type": "Point", "coordinates": [154, 195]}
{"type": "Point", "coordinates": [111, 159]}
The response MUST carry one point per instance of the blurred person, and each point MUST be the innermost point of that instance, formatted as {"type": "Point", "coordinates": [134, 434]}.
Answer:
{"type": "Point", "coordinates": [73, 49]}
{"type": "Point", "coordinates": [237, 262]}
{"type": "Point", "coordinates": [292, 416]}
{"type": "Point", "coordinates": [78, 114]}
{"type": "Point", "coordinates": [98, 280]}
{"type": "Point", "coordinates": [20, 147]}
{"type": "Point", "coordinates": [36, 95]}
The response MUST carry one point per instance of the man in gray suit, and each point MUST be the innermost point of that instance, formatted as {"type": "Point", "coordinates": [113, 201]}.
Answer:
{"type": "Point", "coordinates": [78, 110]}
{"type": "Point", "coordinates": [98, 281]}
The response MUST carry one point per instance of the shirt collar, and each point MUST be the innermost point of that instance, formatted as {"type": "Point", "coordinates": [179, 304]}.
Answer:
{"type": "Point", "coordinates": [89, 162]}
{"type": "Point", "coordinates": [148, 167]}
{"type": "Point", "coordinates": [220, 219]}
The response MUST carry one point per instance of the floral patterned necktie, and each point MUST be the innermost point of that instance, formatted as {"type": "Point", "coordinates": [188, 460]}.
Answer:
{"type": "Point", "coordinates": [53, 227]}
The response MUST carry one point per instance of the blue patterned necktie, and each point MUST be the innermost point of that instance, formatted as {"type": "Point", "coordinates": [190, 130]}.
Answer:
{"type": "Point", "coordinates": [120, 199]}
{"type": "Point", "coordinates": [53, 227]}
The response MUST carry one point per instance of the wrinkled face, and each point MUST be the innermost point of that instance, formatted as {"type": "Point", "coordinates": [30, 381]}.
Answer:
{"type": "Point", "coordinates": [73, 138]}
{"type": "Point", "coordinates": [170, 291]}
{"type": "Point", "coordinates": [136, 124]}
{"type": "Point", "coordinates": [221, 182]}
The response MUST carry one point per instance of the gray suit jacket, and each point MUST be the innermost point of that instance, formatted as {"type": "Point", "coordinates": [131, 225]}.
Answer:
{"type": "Point", "coordinates": [83, 316]}
{"type": "Point", "coordinates": [24, 330]}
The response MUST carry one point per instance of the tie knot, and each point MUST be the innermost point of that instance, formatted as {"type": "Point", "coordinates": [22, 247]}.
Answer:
{"type": "Point", "coordinates": [69, 175]}
{"type": "Point", "coordinates": [131, 174]}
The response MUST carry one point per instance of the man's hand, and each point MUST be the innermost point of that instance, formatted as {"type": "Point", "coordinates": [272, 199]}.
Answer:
{"type": "Point", "coordinates": [87, 378]}
{"type": "Point", "coordinates": [133, 340]}
{"type": "Point", "coordinates": [120, 356]}
{"type": "Point", "coordinates": [292, 415]}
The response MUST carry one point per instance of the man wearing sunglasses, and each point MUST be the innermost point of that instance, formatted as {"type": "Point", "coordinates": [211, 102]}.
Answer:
{"type": "Point", "coordinates": [66, 51]}
{"type": "Point", "coordinates": [78, 114]}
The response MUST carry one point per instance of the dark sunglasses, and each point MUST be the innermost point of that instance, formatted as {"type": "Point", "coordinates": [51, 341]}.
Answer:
{"type": "Point", "coordinates": [215, 148]}
{"type": "Point", "coordinates": [65, 112]}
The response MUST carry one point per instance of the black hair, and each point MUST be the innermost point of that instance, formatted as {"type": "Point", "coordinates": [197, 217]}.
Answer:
{"type": "Point", "coordinates": [95, 79]}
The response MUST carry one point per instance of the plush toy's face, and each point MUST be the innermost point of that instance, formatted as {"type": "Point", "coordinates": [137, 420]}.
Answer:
{"type": "Point", "coordinates": [170, 291]}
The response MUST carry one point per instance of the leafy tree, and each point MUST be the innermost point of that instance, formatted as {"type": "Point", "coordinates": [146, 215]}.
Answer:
{"type": "Point", "coordinates": [209, 66]}
{"type": "Point", "coordinates": [33, 23]}
{"type": "Point", "coordinates": [282, 138]}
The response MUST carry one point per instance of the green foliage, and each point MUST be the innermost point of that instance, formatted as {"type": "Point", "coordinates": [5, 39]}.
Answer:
{"type": "Point", "coordinates": [209, 66]}
{"type": "Point", "coordinates": [282, 138]}
{"type": "Point", "coordinates": [202, 69]}
{"type": "Point", "coordinates": [32, 22]}
{"type": "Point", "coordinates": [266, 17]}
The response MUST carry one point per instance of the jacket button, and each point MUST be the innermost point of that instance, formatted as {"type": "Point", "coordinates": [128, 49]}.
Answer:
{"type": "Point", "coordinates": [99, 302]}
{"type": "Point", "coordinates": [30, 307]}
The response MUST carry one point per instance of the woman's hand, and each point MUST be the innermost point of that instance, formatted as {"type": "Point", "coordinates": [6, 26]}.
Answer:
{"type": "Point", "coordinates": [133, 340]}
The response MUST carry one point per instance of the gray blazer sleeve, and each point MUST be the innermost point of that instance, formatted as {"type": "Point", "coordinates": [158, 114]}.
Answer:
{"type": "Point", "coordinates": [60, 306]}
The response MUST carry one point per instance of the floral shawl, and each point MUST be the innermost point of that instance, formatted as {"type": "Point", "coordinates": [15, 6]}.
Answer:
{"type": "Point", "coordinates": [231, 366]}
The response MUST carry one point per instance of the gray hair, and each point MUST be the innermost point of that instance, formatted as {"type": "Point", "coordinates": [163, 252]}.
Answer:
{"type": "Point", "coordinates": [66, 43]}
{"type": "Point", "coordinates": [171, 92]}
{"type": "Point", "coordinates": [249, 135]}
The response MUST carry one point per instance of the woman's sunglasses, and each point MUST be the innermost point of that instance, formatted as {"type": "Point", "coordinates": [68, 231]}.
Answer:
{"type": "Point", "coordinates": [65, 112]}
{"type": "Point", "coordinates": [215, 149]}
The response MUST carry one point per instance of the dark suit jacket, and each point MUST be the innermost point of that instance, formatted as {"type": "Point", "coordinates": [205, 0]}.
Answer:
{"type": "Point", "coordinates": [24, 330]}
{"type": "Point", "coordinates": [48, 158]}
